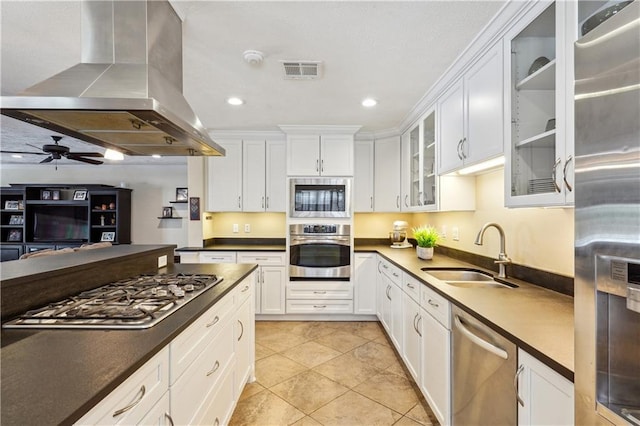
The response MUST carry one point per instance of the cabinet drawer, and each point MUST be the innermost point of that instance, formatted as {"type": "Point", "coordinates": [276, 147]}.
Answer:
{"type": "Point", "coordinates": [436, 305]}
{"type": "Point", "coordinates": [217, 408]}
{"type": "Point", "coordinates": [315, 290]}
{"type": "Point", "coordinates": [262, 258]}
{"type": "Point", "coordinates": [190, 343]}
{"type": "Point", "coordinates": [218, 257]}
{"type": "Point", "coordinates": [320, 306]}
{"type": "Point", "coordinates": [411, 286]}
{"type": "Point", "coordinates": [189, 256]}
{"type": "Point", "coordinates": [393, 272]}
{"type": "Point", "coordinates": [197, 383]}
{"type": "Point", "coordinates": [135, 397]}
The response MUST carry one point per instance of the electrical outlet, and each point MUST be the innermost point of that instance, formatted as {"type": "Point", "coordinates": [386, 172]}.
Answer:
{"type": "Point", "coordinates": [235, 228]}
{"type": "Point", "coordinates": [455, 233]}
{"type": "Point", "coordinates": [247, 227]}
{"type": "Point", "coordinates": [162, 261]}
{"type": "Point", "coordinates": [443, 231]}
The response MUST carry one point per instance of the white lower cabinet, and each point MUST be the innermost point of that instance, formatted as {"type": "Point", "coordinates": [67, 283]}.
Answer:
{"type": "Point", "coordinates": [159, 415]}
{"type": "Point", "coordinates": [317, 297]}
{"type": "Point", "coordinates": [217, 257]}
{"type": "Point", "coordinates": [412, 326]}
{"type": "Point", "coordinates": [544, 396]}
{"type": "Point", "coordinates": [244, 340]}
{"type": "Point", "coordinates": [271, 280]}
{"type": "Point", "coordinates": [364, 285]}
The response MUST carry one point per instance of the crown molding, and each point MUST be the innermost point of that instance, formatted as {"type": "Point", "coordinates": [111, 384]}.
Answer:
{"type": "Point", "coordinates": [247, 134]}
{"type": "Point", "coordinates": [321, 129]}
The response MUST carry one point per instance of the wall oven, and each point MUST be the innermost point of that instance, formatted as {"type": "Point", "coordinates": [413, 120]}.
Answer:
{"type": "Point", "coordinates": [320, 197]}
{"type": "Point", "coordinates": [319, 251]}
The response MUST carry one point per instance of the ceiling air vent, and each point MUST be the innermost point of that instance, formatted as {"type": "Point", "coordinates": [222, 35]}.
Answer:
{"type": "Point", "coordinates": [302, 70]}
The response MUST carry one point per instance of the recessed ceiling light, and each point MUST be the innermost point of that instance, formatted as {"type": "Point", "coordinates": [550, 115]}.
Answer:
{"type": "Point", "coordinates": [235, 101]}
{"type": "Point", "coordinates": [156, 156]}
{"type": "Point", "coordinates": [16, 156]}
{"type": "Point", "coordinates": [112, 154]}
{"type": "Point", "coordinates": [369, 102]}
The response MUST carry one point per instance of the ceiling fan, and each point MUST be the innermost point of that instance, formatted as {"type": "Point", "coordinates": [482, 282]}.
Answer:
{"type": "Point", "coordinates": [56, 152]}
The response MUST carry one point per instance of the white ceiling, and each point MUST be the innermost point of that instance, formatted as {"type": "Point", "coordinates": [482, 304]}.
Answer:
{"type": "Point", "coordinates": [391, 50]}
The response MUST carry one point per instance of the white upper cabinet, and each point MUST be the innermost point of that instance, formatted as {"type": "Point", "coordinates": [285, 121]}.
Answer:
{"type": "Point", "coordinates": [418, 180]}
{"type": "Point", "coordinates": [539, 131]}
{"type": "Point", "coordinates": [320, 150]}
{"type": "Point", "coordinates": [253, 175]}
{"type": "Point", "coordinates": [471, 114]}
{"type": "Point", "coordinates": [387, 175]}
{"type": "Point", "coordinates": [224, 178]}
{"type": "Point", "coordinates": [276, 176]}
{"type": "Point", "coordinates": [363, 177]}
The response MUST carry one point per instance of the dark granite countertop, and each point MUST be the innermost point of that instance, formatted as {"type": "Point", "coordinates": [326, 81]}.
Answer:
{"type": "Point", "coordinates": [240, 244]}
{"type": "Point", "coordinates": [56, 376]}
{"type": "Point", "coordinates": [538, 320]}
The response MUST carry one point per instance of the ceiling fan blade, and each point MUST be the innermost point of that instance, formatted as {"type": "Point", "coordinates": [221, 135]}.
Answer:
{"type": "Point", "coordinates": [87, 154]}
{"type": "Point", "coordinates": [39, 148]}
{"type": "Point", "coordinates": [22, 152]}
{"type": "Point", "coordinates": [84, 160]}
{"type": "Point", "coordinates": [47, 160]}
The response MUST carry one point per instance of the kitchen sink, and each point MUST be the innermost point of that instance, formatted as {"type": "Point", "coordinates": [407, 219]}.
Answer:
{"type": "Point", "coordinates": [467, 278]}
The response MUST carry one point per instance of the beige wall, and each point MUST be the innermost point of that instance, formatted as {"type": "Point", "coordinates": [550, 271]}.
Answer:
{"type": "Point", "coordinates": [378, 225]}
{"type": "Point", "coordinates": [263, 225]}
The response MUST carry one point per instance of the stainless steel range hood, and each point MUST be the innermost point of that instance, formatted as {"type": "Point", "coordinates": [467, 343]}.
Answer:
{"type": "Point", "coordinates": [126, 94]}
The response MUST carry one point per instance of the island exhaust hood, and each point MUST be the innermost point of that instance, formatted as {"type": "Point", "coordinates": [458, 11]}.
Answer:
{"type": "Point", "coordinates": [126, 94]}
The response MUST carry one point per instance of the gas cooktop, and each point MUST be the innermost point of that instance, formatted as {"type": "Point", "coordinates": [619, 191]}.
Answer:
{"type": "Point", "coordinates": [133, 303]}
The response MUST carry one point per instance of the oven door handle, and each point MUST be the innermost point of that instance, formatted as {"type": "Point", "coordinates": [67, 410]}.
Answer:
{"type": "Point", "coordinates": [334, 241]}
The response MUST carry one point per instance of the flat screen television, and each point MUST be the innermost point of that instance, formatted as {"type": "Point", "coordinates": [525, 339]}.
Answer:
{"type": "Point", "coordinates": [60, 223]}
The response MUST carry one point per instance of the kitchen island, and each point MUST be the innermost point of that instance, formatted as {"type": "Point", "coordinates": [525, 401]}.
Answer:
{"type": "Point", "coordinates": [55, 376]}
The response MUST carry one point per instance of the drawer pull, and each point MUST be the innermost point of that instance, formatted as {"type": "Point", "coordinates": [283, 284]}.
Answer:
{"type": "Point", "coordinates": [261, 258]}
{"type": "Point", "coordinates": [214, 369]}
{"type": "Point", "coordinates": [395, 275]}
{"type": "Point", "coordinates": [241, 330]}
{"type": "Point", "coordinates": [244, 289]}
{"type": "Point", "coordinates": [410, 286]}
{"type": "Point", "coordinates": [319, 292]}
{"type": "Point", "coordinates": [141, 393]}
{"type": "Point", "coordinates": [168, 416]}
{"type": "Point", "coordinates": [432, 303]}
{"type": "Point", "coordinates": [216, 422]}
{"type": "Point", "coordinates": [515, 384]}
{"type": "Point", "coordinates": [214, 322]}
{"type": "Point", "coordinates": [319, 306]}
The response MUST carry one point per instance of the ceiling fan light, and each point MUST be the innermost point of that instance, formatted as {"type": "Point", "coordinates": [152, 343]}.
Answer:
{"type": "Point", "coordinates": [369, 102]}
{"type": "Point", "coordinates": [235, 101]}
{"type": "Point", "coordinates": [111, 154]}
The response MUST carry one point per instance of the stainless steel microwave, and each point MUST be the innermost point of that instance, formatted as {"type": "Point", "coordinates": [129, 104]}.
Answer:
{"type": "Point", "coordinates": [320, 197]}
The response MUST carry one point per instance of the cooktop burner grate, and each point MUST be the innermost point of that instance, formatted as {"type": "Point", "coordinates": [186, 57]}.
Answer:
{"type": "Point", "coordinates": [139, 302]}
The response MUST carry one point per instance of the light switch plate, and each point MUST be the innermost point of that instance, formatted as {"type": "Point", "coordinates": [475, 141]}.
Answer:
{"type": "Point", "coordinates": [235, 228]}
{"type": "Point", "coordinates": [455, 233]}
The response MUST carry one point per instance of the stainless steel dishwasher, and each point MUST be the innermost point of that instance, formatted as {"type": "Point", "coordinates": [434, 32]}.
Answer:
{"type": "Point", "coordinates": [484, 367]}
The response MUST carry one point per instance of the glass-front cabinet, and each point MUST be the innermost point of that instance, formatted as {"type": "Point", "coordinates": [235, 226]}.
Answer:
{"type": "Point", "coordinates": [419, 154]}
{"type": "Point", "coordinates": [539, 167]}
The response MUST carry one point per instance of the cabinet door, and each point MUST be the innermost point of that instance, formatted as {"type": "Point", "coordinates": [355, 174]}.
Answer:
{"type": "Point", "coordinates": [224, 179]}
{"type": "Point", "coordinates": [483, 87]}
{"type": "Point", "coordinates": [365, 284]}
{"type": "Point", "coordinates": [272, 289]}
{"type": "Point", "coordinates": [387, 175]}
{"type": "Point", "coordinates": [276, 177]}
{"type": "Point", "coordinates": [336, 155]}
{"type": "Point", "coordinates": [546, 398]}
{"type": "Point", "coordinates": [405, 171]}
{"type": "Point", "coordinates": [253, 175]}
{"type": "Point", "coordinates": [412, 329]}
{"type": "Point", "coordinates": [303, 155]}
{"type": "Point", "coordinates": [363, 177]}
{"type": "Point", "coordinates": [436, 367]}
{"type": "Point", "coordinates": [451, 118]}
{"type": "Point", "coordinates": [245, 347]}
{"type": "Point", "coordinates": [397, 319]}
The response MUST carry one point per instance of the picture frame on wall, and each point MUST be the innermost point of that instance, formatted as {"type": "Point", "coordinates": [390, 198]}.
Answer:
{"type": "Point", "coordinates": [167, 211]}
{"type": "Point", "coordinates": [80, 195]}
{"type": "Point", "coordinates": [14, 235]}
{"type": "Point", "coordinates": [182, 194]}
{"type": "Point", "coordinates": [108, 236]}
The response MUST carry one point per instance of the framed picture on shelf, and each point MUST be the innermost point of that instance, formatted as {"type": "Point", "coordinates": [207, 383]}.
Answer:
{"type": "Point", "coordinates": [16, 219]}
{"type": "Point", "coordinates": [108, 236]}
{"type": "Point", "coordinates": [167, 212]}
{"type": "Point", "coordinates": [80, 195]}
{"type": "Point", "coordinates": [45, 195]}
{"type": "Point", "coordinates": [14, 235]}
{"type": "Point", "coordinates": [55, 194]}
{"type": "Point", "coordinates": [194, 208]}
{"type": "Point", "coordinates": [12, 205]}
{"type": "Point", "coordinates": [182, 194]}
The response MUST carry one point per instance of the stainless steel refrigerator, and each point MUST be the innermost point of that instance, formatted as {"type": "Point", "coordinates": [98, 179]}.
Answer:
{"type": "Point", "coordinates": [607, 221]}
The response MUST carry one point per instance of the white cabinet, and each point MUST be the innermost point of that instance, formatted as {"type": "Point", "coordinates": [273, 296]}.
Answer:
{"type": "Point", "coordinates": [217, 257]}
{"type": "Point", "coordinates": [539, 154]}
{"type": "Point", "coordinates": [305, 297]}
{"type": "Point", "coordinates": [390, 277]}
{"type": "Point", "coordinates": [419, 180]}
{"type": "Point", "coordinates": [271, 280]}
{"type": "Point", "coordinates": [159, 415]}
{"type": "Point", "coordinates": [251, 177]}
{"type": "Point", "coordinates": [412, 338]}
{"type": "Point", "coordinates": [363, 177]}
{"type": "Point", "coordinates": [387, 175]}
{"type": "Point", "coordinates": [471, 114]}
{"type": "Point", "coordinates": [365, 284]}
{"type": "Point", "coordinates": [320, 154]}
{"type": "Point", "coordinates": [224, 178]}
{"type": "Point", "coordinates": [544, 396]}
{"type": "Point", "coordinates": [244, 339]}
{"type": "Point", "coordinates": [435, 381]}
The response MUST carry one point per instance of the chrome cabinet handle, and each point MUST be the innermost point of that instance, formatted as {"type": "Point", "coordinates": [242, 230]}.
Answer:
{"type": "Point", "coordinates": [553, 175]}
{"type": "Point", "coordinates": [564, 174]}
{"type": "Point", "coordinates": [395, 275]}
{"type": "Point", "coordinates": [141, 393]}
{"type": "Point", "coordinates": [410, 286]}
{"type": "Point", "coordinates": [398, 201]}
{"type": "Point", "coordinates": [388, 289]}
{"type": "Point", "coordinates": [319, 306]}
{"type": "Point", "coordinates": [319, 292]}
{"type": "Point", "coordinates": [241, 330]}
{"type": "Point", "coordinates": [168, 417]}
{"type": "Point", "coordinates": [464, 141]}
{"type": "Point", "coordinates": [432, 303]}
{"type": "Point", "coordinates": [317, 165]}
{"type": "Point", "coordinates": [239, 204]}
{"type": "Point", "coordinates": [480, 342]}
{"type": "Point", "coordinates": [458, 149]}
{"type": "Point", "coordinates": [322, 165]}
{"type": "Point", "coordinates": [415, 326]}
{"type": "Point", "coordinates": [405, 200]}
{"type": "Point", "coordinates": [371, 202]}
{"type": "Point", "coordinates": [379, 263]}
{"type": "Point", "coordinates": [214, 369]}
{"type": "Point", "coordinates": [515, 384]}
{"type": "Point", "coordinates": [416, 323]}
{"type": "Point", "coordinates": [214, 322]}
{"type": "Point", "coordinates": [267, 202]}
{"type": "Point", "coordinates": [263, 201]}
{"type": "Point", "coordinates": [244, 289]}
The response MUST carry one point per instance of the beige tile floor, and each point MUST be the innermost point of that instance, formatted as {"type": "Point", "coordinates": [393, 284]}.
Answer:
{"type": "Point", "coordinates": [329, 373]}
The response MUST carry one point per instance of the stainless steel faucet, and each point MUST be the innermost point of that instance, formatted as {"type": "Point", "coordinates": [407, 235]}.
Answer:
{"type": "Point", "coordinates": [503, 259]}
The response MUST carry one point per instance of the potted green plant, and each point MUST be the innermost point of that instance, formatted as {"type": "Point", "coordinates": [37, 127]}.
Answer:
{"type": "Point", "coordinates": [427, 238]}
